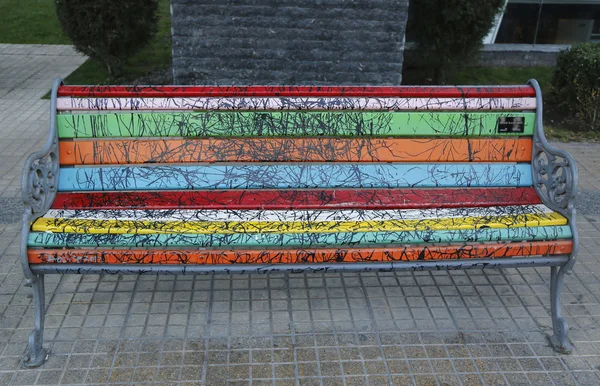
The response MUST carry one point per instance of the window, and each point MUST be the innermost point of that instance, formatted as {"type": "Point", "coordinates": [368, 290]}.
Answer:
{"type": "Point", "coordinates": [550, 22]}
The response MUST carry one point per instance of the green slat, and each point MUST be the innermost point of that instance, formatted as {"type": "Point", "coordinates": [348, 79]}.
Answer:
{"type": "Point", "coordinates": [296, 123]}
{"type": "Point", "coordinates": [76, 240]}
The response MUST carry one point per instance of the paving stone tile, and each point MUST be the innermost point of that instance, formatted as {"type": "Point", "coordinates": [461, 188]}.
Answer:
{"type": "Point", "coordinates": [539, 378]}
{"type": "Point", "coordinates": [194, 373]}
{"type": "Point", "coordinates": [74, 377]}
{"type": "Point", "coordinates": [587, 377]}
{"type": "Point", "coordinates": [48, 377]}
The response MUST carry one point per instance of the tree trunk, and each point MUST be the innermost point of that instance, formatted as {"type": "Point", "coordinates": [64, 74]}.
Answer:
{"type": "Point", "coordinates": [439, 76]}
{"type": "Point", "coordinates": [114, 66]}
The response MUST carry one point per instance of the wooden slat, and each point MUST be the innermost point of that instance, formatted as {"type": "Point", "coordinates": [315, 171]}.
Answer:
{"type": "Point", "coordinates": [289, 124]}
{"type": "Point", "coordinates": [77, 225]}
{"type": "Point", "coordinates": [286, 91]}
{"type": "Point", "coordinates": [100, 152]}
{"type": "Point", "coordinates": [263, 240]}
{"type": "Point", "coordinates": [293, 256]}
{"type": "Point", "coordinates": [299, 199]}
{"type": "Point", "coordinates": [295, 176]}
{"type": "Point", "coordinates": [293, 215]}
{"type": "Point", "coordinates": [293, 103]}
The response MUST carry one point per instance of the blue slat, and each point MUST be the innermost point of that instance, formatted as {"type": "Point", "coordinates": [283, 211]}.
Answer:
{"type": "Point", "coordinates": [294, 176]}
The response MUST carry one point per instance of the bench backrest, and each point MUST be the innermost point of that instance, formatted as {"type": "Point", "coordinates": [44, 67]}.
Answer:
{"type": "Point", "coordinates": [375, 139]}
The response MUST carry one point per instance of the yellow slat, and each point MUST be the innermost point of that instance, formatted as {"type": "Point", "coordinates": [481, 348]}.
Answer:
{"type": "Point", "coordinates": [61, 225]}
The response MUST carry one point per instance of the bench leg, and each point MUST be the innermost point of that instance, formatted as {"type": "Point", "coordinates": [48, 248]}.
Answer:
{"type": "Point", "coordinates": [36, 355]}
{"type": "Point", "coordinates": [559, 340]}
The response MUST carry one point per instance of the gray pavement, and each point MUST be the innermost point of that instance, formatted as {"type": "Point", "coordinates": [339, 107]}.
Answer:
{"type": "Point", "coordinates": [426, 328]}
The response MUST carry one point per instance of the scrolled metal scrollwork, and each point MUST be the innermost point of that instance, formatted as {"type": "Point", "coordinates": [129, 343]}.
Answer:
{"type": "Point", "coordinates": [554, 177]}
{"type": "Point", "coordinates": [40, 175]}
{"type": "Point", "coordinates": [41, 181]}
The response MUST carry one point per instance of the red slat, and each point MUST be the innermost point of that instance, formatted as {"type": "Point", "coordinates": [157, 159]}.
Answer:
{"type": "Point", "coordinates": [297, 91]}
{"type": "Point", "coordinates": [300, 199]}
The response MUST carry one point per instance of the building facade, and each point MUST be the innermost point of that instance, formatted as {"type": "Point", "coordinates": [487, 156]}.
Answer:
{"type": "Point", "coordinates": [530, 33]}
{"type": "Point", "coordinates": [547, 22]}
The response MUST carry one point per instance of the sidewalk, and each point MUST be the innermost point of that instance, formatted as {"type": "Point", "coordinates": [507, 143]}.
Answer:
{"type": "Point", "coordinates": [426, 328]}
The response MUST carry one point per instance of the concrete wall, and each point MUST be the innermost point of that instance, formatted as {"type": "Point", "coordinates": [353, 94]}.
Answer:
{"type": "Point", "coordinates": [288, 41]}
{"type": "Point", "coordinates": [503, 55]}
{"type": "Point", "coordinates": [519, 55]}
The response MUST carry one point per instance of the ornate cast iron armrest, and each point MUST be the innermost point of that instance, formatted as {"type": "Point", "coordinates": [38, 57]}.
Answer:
{"type": "Point", "coordinates": [554, 175]}
{"type": "Point", "coordinates": [39, 182]}
{"type": "Point", "coordinates": [555, 178]}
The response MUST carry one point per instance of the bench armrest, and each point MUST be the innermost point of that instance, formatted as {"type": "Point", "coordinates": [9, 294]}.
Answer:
{"type": "Point", "coordinates": [39, 182]}
{"type": "Point", "coordinates": [555, 176]}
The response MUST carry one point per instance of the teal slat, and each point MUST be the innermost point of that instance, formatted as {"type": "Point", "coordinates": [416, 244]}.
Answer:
{"type": "Point", "coordinates": [76, 240]}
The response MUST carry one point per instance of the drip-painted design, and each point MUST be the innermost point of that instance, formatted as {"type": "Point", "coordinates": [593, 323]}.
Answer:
{"type": "Point", "coordinates": [508, 219]}
{"type": "Point", "coordinates": [294, 150]}
{"type": "Point", "coordinates": [79, 240]}
{"type": "Point", "coordinates": [299, 199]}
{"type": "Point", "coordinates": [308, 216]}
{"type": "Point", "coordinates": [298, 256]}
{"type": "Point", "coordinates": [295, 103]}
{"type": "Point", "coordinates": [294, 176]}
{"type": "Point", "coordinates": [288, 124]}
{"type": "Point", "coordinates": [306, 176]}
{"type": "Point", "coordinates": [260, 179]}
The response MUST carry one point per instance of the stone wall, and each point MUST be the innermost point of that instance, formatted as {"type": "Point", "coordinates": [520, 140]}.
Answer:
{"type": "Point", "coordinates": [288, 41]}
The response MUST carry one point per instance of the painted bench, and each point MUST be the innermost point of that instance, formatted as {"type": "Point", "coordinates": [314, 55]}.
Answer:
{"type": "Point", "coordinates": [204, 180]}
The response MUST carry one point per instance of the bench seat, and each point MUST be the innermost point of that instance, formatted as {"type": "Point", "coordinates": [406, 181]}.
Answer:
{"type": "Point", "coordinates": [208, 232]}
{"type": "Point", "coordinates": [203, 180]}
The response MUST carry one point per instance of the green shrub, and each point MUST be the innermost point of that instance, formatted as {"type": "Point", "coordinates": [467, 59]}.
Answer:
{"type": "Point", "coordinates": [109, 31]}
{"type": "Point", "coordinates": [449, 32]}
{"type": "Point", "coordinates": [576, 84]}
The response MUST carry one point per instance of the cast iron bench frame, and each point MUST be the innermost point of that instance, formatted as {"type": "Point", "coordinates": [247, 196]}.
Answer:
{"type": "Point", "coordinates": [555, 181]}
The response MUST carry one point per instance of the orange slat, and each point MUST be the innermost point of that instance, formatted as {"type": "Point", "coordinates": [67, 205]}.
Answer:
{"type": "Point", "coordinates": [131, 151]}
{"type": "Point", "coordinates": [291, 256]}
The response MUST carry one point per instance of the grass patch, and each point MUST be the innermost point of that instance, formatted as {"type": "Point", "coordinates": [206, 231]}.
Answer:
{"type": "Point", "coordinates": [562, 133]}
{"type": "Point", "coordinates": [30, 22]}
